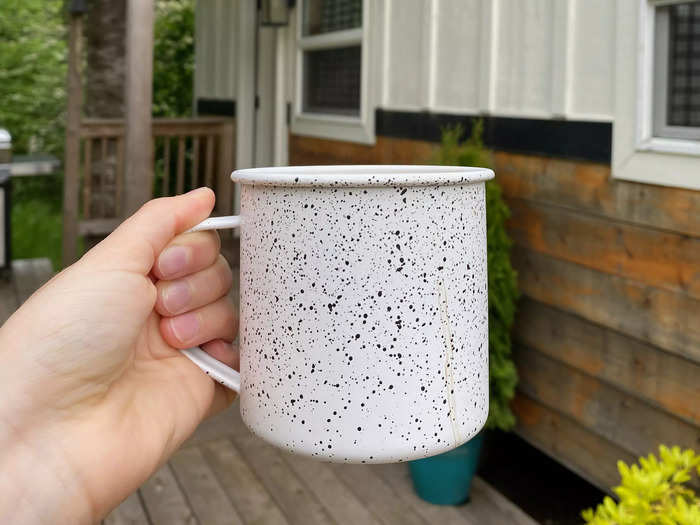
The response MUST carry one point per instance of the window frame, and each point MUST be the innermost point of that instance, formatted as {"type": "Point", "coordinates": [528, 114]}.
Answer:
{"type": "Point", "coordinates": [660, 82]}
{"type": "Point", "coordinates": [638, 155]}
{"type": "Point", "coordinates": [646, 139]}
{"type": "Point", "coordinates": [358, 128]}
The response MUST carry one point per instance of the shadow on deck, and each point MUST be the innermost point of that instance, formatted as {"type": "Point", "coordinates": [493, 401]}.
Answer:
{"type": "Point", "coordinates": [225, 475]}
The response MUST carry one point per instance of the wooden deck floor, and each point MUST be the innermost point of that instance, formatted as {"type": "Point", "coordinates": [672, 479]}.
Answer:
{"type": "Point", "coordinates": [225, 475]}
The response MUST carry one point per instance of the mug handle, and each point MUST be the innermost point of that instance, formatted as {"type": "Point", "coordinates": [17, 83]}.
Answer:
{"type": "Point", "coordinates": [212, 367]}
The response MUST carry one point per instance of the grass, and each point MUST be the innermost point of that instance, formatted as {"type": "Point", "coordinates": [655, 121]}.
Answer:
{"type": "Point", "coordinates": [37, 218]}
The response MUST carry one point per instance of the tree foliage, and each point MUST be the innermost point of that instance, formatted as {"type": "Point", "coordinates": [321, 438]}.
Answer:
{"type": "Point", "coordinates": [33, 67]}
{"type": "Point", "coordinates": [173, 58]}
{"type": "Point", "coordinates": [653, 492]}
{"type": "Point", "coordinates": [33, 74]}
{"type": "Point", "coordinates": [502, 279]}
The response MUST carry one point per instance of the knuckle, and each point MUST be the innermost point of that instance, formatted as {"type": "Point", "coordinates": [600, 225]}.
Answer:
{"type": "Point", "coordinates": [224, 274]}
{"type": "Point", "coordinates": [215, 238]}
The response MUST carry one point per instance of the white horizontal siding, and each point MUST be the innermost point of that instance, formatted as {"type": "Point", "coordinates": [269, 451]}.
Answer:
{"type": "Point", "coordinates": [407, 38]}
{"type": "Point", "coordinates": [525, 53]}
{"type": "Point", "coordinates": [531, 58]}
{"type": "Point", "coordinates": [536, 58]}
{"type": "Point", "coordinates": [593, 57]}
{"type": "Point", "coordinates": [457, 57]}
{"type": "Point", "coordinates": [216, 24]}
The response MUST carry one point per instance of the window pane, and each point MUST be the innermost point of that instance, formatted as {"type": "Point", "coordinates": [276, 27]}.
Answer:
{"type": "Point", "coordinates": [326, 16]}
{"type": "Point", "coordinates": [332, 81]}
{"type": "Point", "coordinates": [683, 70]}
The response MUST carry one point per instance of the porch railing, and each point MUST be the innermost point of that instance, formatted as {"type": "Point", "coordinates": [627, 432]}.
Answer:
{"type": "Point", "coordinates": [187, 153]}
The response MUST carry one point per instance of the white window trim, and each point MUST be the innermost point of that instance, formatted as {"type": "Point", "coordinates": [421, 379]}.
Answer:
{"type": "Point", "coordinates": [638, 155]}
{"type": "Point", "coordinates": [352, 129]}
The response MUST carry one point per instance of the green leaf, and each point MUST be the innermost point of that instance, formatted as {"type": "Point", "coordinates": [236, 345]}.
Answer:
{"type": "Point", "coordinates": [653, 492]}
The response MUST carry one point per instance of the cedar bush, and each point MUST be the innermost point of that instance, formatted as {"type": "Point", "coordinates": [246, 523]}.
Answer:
{"type": "Point", "coordinates": [502, 279]}
{"type": "Point", "coordinates": [653, 492]}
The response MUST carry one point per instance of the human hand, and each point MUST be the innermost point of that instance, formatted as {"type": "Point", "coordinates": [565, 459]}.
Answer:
{"type": "Point", "coordinates": [95, 395]}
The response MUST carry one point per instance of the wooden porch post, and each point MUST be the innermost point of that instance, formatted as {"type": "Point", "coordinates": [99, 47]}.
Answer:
{"type": "Point", "coordinates": [138, 173]}
{"type": "Point", "coordinates": [72, 145]}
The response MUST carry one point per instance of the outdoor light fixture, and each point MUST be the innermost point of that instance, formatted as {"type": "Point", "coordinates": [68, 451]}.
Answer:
{"type": "Point", "coordinates": [78, 7]}
{"type": "Point", "coordinates": [275, 13]}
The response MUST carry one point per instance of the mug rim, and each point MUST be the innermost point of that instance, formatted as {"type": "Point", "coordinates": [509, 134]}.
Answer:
{"type": "Point", "coordinates": [363, 175]}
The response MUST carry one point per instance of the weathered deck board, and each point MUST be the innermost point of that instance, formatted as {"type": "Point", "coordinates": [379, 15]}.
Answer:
{"type": "Point", "coordinates": [486, 506]}
{"type": "Point", "coordinates": [490, 506]}
{"type": "Point", "coordinates": [379, 497]}
{"type": "Point", "coordinates": [130, 512]}
{"type": "Point", "coordinates": [397, 476]}
{"type": "Point", "coordinates": [299, 504]}
{"type": "Point", "coordinates": [204, 493]}
{"type": "Point", "coordinates": [341, 503]}
{"type": "Point", "coordinates": [165, 502]}
{"type": "Point", "coordinates": [251, 499]}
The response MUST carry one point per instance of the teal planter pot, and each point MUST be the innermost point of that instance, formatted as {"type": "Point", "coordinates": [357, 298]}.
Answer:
{"type": "Point", "coordinates": [445, 479]}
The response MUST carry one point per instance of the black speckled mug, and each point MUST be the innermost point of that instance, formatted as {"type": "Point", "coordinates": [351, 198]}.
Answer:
{"type": "Point", "coordinates": [364, 312]}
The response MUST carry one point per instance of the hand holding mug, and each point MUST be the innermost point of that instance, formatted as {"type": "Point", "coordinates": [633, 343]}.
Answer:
{"type": "Point", "coordinates": [95, 394]}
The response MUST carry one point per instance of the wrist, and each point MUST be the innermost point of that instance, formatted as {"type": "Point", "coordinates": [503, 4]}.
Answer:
{"type": "Point", "coordinates": [38, 483]}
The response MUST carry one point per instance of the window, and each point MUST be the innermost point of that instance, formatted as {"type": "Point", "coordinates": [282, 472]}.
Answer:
{"type": "Point", "coordinates": [656, 135]}
{"type": "Point", "coordinates": [332, 60]}
{"type": "Point", "coordinates": [331, 96]}
{"type": "Point", "coordinates": [677, 71]}
{"type": "Point", "coordinates": [332, 81]}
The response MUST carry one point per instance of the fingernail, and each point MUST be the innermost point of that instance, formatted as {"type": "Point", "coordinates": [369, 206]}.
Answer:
{"type": "Point", "coordinates": [185, 326]}
{"type": "Point", "coordinates": [172, 260]}
{"type": "Point", "coordinates": [176, 296]}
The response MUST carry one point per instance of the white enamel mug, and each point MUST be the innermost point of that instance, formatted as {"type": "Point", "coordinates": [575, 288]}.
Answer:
{"type": "Point", "coordinates": [364, 314]}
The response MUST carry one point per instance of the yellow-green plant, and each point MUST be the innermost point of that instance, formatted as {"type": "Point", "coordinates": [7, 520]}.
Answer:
{"type": "Point", "coordinates": [652, 493]}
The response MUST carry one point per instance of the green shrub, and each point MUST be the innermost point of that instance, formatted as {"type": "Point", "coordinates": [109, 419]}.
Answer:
{"type": "Point", "coordinates": [503, 290]}
{"type": "Point", "coordinates": [653, 492]}
{"type": "Point", "coordinates": [37, 218]}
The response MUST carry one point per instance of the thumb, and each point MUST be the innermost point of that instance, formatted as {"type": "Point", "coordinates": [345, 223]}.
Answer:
{"type": "Point", "coordinates": [136, 243]}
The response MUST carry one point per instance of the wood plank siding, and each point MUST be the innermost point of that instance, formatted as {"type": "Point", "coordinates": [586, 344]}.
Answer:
{"type": "Point", "coordinates": [607, 341]}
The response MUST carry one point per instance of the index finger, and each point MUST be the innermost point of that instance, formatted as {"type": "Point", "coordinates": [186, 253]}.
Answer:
{"type": "Point", "coordinates": [136, 243]}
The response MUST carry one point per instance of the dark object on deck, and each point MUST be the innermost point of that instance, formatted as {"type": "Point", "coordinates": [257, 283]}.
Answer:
{"type": "Point", "coordinates": [5, 191]}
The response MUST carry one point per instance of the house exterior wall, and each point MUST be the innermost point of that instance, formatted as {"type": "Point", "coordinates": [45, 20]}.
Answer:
{"type": "Point", "coordinates": [606, 341]}
{"type": "Point", "coordinates": [216, 70]}
{"type": "Point", "coordinates": [534, 58]}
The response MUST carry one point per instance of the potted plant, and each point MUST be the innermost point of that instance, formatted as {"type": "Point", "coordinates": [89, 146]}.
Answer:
{"type": "Point", "coordinates": [446, 478]}
{"type": "Point", "coordinates": [653, 492]}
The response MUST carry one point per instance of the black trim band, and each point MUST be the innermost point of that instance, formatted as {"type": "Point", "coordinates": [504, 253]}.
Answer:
{"type": "Point", "coordinates": [574, 139]}
{"type": "Point", "coordinates": [216, 106]}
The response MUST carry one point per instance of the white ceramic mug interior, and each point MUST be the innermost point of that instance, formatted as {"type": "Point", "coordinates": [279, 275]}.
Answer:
{"type": "Point", "coordinates": [364, 313]}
